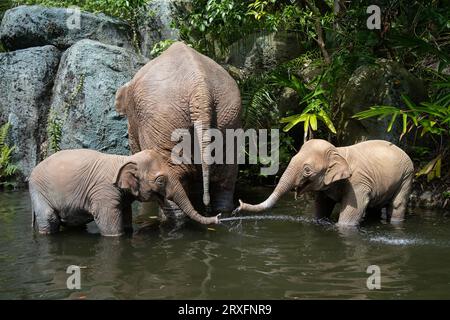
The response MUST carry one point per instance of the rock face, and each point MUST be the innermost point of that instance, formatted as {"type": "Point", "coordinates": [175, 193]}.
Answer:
{"type": "Point", "coordinates": [25, 85]}
{"type": "Point", "coordinates": [157, 26]}
{"type": "Point", "coordinates": [428, 200]}
{"type": "Point", "coordinates": [83, 96]}
{"type": "Point", "coordinates": [30, 26]}
{"type": "Point", "coordinates": [261, 51]}
{"type": "Point", "coordinates": [379, 84]}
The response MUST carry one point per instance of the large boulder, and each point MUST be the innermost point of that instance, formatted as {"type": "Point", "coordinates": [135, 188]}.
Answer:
{"type": "Point", "coordinates": [381, 83]}
{"type": "Point", "coordinates": [260, 52]}
{"type": "Point", "coordinates": [83, 96]}
{"type": "Point", "coordinates": [157, 24]}
{"type": "Point", "coordinates": [25, 85]}
{"type": "Point", "coordinates": [30, 26]}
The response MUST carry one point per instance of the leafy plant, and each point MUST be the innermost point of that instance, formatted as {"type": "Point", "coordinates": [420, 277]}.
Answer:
{"type": "Point", "coordinates": [212, 25]}
{"type": "Point", "coordinates": [7, 168]}
{"type": "Point", "coordinates": [431, 118]}
{"type": "Point", "coordinates": [160, 47]}
{"type": "Point", "coordinates": [314, 103]}
{"type": "Point", "coordinates": [54, 131]}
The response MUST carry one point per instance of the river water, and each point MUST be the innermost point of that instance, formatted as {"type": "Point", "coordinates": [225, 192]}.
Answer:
{"type": "Point", "coordinates": [271, 258]}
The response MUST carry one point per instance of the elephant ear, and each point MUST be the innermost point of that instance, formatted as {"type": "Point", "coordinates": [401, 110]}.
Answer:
{"type": "Point", "coordinates": [126, 178]}
{"type": "Point", "coordinates": [338, 168]}
{"type": "Point", "coordinates": [122, 99]}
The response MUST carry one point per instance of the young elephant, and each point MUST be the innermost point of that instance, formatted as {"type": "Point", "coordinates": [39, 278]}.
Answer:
{"type": "Point", "coordinates": [368, 175]}
{"type": "Point", "coordinates": [74, 187]}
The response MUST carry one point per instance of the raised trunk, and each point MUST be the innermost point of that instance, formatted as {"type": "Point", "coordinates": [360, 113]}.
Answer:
{"type": "Point", "coordinates": [181, 199]}
{"type": "Point", "coordinates": [285, 184]}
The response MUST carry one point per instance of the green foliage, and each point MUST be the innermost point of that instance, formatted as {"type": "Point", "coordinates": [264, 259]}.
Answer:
{"type": "Point", "coordinates": [7, 168]}
{"type": "Point", "coordinates": [212, 25]}
{"type": "Point", "coordinates": [160, 47]}
{"type": "Point", "coordinates": [54, 131]}
{"type": "Point", "coordinates": [4, 5]}
{"type": "Point", "coordinates": [431, 118]}
{"type": "Point", "coordinates": [258, 104]}
{"type": "Point", "coordinates": [314, 104]}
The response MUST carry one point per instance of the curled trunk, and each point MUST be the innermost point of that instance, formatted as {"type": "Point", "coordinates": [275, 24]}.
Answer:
{"type": "Point", "coordinates": [181, 199]}
{"type": "Point", "coordinates": [285, 184]}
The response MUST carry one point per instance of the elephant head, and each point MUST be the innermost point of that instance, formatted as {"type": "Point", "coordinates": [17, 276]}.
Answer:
{"type": "Point", "coordinates": [315, 167]}
{"type": "Point", "coordinates": [146, 176]}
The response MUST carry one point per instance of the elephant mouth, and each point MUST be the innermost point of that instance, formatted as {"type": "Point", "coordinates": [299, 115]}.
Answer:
{"type": "Point", "coordinates": [158, 197]}
{"type": "Point", "coordinates": [301, 188]}
{"type": "Point", "coordinates": [152, 196]}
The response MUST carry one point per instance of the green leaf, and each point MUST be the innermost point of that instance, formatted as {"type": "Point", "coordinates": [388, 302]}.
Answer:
{"type": "Point", "coordinates": [430, 166]}
{"type": "Point", "coordinates": [294, 120]}
{"type": "Point", "coordinates": [306, 123]}
{"type": "Point", "coordinates": [394, 116]}
{"type": "Point", "coordinates": [405, 123]}
{"type": "Point", "coordinates": [326, 119]}
{"type": "Point", "coordinates": [313, 122]}
{"type": "Point", "coordinates": [408, 102]}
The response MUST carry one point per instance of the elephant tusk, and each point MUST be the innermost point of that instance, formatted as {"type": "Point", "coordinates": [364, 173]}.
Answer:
{"type": "Point", "coordinates": [296, 194]}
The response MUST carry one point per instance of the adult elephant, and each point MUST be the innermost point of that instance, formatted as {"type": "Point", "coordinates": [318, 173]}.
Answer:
{"type": "Point", "coordinates": [368, 176]}
{"type": "Point", "coordinates": [173, 91]}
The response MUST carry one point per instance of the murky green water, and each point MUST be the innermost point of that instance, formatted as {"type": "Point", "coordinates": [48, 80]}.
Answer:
{"type": "Point", "coordinates": [264, 259]}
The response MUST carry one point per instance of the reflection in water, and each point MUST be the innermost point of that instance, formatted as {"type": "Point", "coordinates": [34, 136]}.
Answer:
{"type": "Point", "coordinates": [282, 254]}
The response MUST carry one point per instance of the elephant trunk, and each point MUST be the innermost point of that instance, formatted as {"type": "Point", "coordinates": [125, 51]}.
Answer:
{"type": "Point", "coordinates": [181, 199]}
{"type": "Point", "coordinates": [286, 183]}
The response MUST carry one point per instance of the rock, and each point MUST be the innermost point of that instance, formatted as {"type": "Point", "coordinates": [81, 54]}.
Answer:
{"type": "Point", "coordinates": [83, 96]}
{"type": "Point", "coordinates": [380, 84]}
{"type": "Point", "coordinates": [263, 51]}
{"type": "Point", "coordinates": [30, 26]}
{"type": "Point", "coordinates": [25, 86]}
{"type": "Point", "coordinates": [426, 199]}
{"type": "Point", "coordinates": [287, 100]}
{"type": "Point", "coordinates": [157, 24]}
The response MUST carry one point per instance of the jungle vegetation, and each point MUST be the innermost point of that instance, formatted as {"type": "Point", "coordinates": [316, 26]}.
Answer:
{"type": "Point", "coordinates": [335, 41]}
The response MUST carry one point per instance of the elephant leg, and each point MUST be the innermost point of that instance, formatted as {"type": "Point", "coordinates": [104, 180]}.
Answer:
{"type": "Point", "coordinates": [133, 141]}
{"type": "Point", "coordinates": [127, 219]}
{"type": "Point", "coordinates": [323, 206]}
{"type": "Point", "coordinates": [397, 207]}
{"type": "Point", "coordinates": [222, 188]}
{"type": "Point", "coordinates": [44, 216]}
{"type": "Point", "coordinates": [353, 207]}
{"type": "Point", "coordinates": [109, 221]}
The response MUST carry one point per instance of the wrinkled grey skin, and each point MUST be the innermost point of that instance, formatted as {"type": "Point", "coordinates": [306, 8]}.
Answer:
{"type": "Point", "coordinates": [367, 176]}
{"type": "Point", "coordinates": [74, 187]}
{"type": "Point", "coordinates": [171, 92]}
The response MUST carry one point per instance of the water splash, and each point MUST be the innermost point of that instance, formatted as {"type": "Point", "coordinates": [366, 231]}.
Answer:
{"type": "Point", "coordinates": [267, 217]}
{"type": "Point", "coordinates": [397, 241]}
{"type": "Point", "coordinates": [278, 218]}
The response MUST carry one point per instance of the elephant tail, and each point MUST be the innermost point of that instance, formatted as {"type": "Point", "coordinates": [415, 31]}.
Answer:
{"type": "Point", "coordinates": [203, 136]}
{"type": "Point", "coordinates": [201, 108]}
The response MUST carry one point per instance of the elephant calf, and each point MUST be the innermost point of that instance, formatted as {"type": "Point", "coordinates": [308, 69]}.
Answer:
{"type": "Point", "coordinates": [368, 175]}
{"type": "Point", "coordinates": [74, 187]}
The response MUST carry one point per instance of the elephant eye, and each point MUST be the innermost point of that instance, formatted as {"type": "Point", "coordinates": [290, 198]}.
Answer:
{"type": "Point", "coordinates": [307, 171]}
{"type": "Point", "coordinates": [160, 180]}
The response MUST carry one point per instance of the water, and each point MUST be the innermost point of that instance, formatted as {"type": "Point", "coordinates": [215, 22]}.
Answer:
{"type": "Point", "coordinates": [288, 256]}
